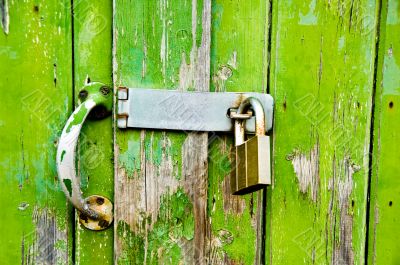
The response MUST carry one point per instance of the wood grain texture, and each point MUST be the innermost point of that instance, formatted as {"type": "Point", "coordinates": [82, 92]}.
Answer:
{"type": "Point", "coordinates": [239, 62]}
{"type": "Point", "coordinates": [173, 201]}
{"type": "Point", "coordinates": [385, 186]}
{"type": "Point", "coordinates": [161, 178]}
{"type": "Point", "coordinates": [36, 82]}
{"type": "Point", "coordinates": [322, 70]}
{"type": "Point", "coordinates": [93, 63]}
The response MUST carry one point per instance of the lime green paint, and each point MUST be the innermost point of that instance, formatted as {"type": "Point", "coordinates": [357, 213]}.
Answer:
{"type": "Point", "coordinates": [321, 67]}
{"type": "Point", "coordinates": [93, 59]}
{"type": "Point", "coordinates": [94, 96]}
{"type": "Point", "coordinates": [36, 83]}
{"type": "Point", "coordinates": [239, 46]}
{"type": "Point", "coordinates": [385, 185]}
{"type": "Point", "coordinates": [322, 81]}
{"type": "Point", "coordinates": [78, 118]}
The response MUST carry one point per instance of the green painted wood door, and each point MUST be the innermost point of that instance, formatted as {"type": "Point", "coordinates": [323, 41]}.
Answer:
{"type": "Point", "coordinates": [331, 68]}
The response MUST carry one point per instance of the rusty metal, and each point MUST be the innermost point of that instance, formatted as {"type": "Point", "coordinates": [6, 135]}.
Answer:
{"type": "Point", "coordinates": [252, 159]}
{"type": "Point", "coordinates": [100, 205]}
{"type": "Point", "coordinates": [95, 216]}
{"type": "Point", "coordinates": [240, 116]}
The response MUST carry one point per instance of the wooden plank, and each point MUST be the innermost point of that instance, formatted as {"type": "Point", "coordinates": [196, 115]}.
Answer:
{"type": "Point", "coordinates": [161, 178]}
{"type": "Point", "coordinates": [93, 63]}
{"type": "Point", "coordinates": [36, 80]}
{"type": "Point", "coordinates": [322, 71]}
{"type": "Point", "coordinates": [239, 62]}
{"type": "Point", "coordinates": [385, 185]}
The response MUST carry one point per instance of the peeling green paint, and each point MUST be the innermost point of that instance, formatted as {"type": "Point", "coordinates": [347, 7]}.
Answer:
{"type": "Point", "coordinates": [175, 223]}
{"type": "Point", "coordinates": [130, 158]}
{"type": "Point", "coordinates": [68, 184]}
{"type": "Point", "coordinates": [62, 155]}
{"type": "Point", "coordinates": [78, 118]}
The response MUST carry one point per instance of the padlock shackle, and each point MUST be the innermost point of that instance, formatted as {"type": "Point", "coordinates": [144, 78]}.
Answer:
{"type": "Point", "coordinates": [258, 109]}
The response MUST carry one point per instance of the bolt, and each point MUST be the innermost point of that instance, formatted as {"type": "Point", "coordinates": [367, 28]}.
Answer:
{"type": "Point", "coordinates": [99, 200]}
{"type": "Point", "coordinates": [103, 223]}
{"type": "Point", "coordinates": [83, 94]}
{"type": "Point", "coordinates": [105, 90]}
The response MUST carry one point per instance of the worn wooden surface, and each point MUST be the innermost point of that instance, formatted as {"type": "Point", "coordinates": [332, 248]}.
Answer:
{"type": "Point", "coordinates": [173, 202]}
{"type": "Point", "coordinates": [322, 78]}
{"type": "Point", "coordinates": [385, 185]}
{"type": "Point", "coordinates": [325, 63]}
{"type": "Point", "coordinates": [161, 195]}
{"type": "Point", "coordinates": [36, 85]}
{"type": "Point", "coordinates": [239, 62]}
{"type": "Point", "coordinates": [93, 63]}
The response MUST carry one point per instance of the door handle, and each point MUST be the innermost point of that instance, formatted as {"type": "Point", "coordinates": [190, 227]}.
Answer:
{"type": "Point", "coordinates": [95, 212]}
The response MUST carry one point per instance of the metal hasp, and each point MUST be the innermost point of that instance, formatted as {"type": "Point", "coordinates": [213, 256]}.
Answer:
{"type": "Point", "coordinates": [252, 159]}
{"type": "Point", "coordinates": [185, 111]}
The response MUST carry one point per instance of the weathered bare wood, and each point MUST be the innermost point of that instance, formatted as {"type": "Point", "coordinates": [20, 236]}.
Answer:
{"type": "Point", "coordinates": [158, 173]}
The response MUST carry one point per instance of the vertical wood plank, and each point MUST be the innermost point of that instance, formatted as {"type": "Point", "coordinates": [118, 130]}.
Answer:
{"type": "Point", "coordinates": [239, 62]}
{"type": "Point", "coordinates": [93, 63]}
{"type": "Point", "coordinates": [322, 71]}
{"type": "Point", "coordinates": [385, 185]}
{"type": "Point", "coordinates": [36, 85]}
{"type": "Point", "coordinates": [161, 178]}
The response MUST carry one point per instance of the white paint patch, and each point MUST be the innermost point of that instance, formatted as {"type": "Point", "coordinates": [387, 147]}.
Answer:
{"type": "Point", "coordinates": [66, 155]}
{"type": "Point", "coordinates": [5, 17]}
{"type": "Point", "coordinates": [306, 167]}
{"type": "Point", "coordinates": [310, 18]}
{"type": "Point", "coordinates": [233, 60]}
{"type": "Point", "coordinates": [195, 74]}
{"type": "Point", "coordinates": [164, 38]}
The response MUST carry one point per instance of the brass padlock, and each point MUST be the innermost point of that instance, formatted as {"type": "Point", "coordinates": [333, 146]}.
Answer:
{"type": "Point", "coordinates": [252, 160]}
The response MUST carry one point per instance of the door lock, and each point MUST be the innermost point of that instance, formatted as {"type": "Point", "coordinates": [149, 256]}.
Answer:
{"type": "Point", "coordinates": [252, 158]}
{"type": "Point", "coordinates": [208, 112]}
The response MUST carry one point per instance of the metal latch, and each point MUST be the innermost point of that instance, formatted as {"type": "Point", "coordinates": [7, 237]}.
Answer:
{"type": "Point", "coordinates": [186, 111]}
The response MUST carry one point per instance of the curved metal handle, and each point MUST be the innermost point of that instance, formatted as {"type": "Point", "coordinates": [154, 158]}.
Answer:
{"type": "Point", "coordinates": [95, 212]}
{"type": "Point", "coordinates": [259, 115]}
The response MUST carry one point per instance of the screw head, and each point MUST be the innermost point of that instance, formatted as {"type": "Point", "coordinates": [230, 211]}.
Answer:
{"type": "Point", "coordinates": [83, 94]}
{"type": "Point", "coordinates": [105, 90]}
